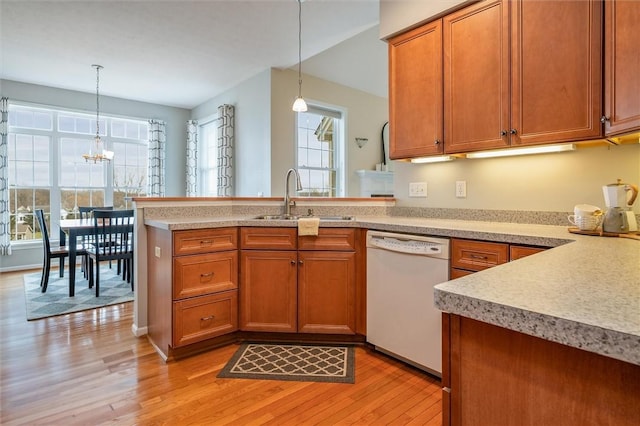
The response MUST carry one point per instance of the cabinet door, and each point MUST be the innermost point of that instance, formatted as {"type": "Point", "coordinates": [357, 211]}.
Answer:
{"type": "Point", "coordinates": [268, 290]}
{"type": "Point", "coordinates": [415, 92]}
{"type": "Point", "coordinates": [556, 71]}
{"type": "Point", "coordinates": [476, 77]}
{"type": "Point", "coordinates": [622, 66]}
{"type": "Point", "coordinates": [326, 292]}
{"type": "Point", "coordinates": [518, 252]}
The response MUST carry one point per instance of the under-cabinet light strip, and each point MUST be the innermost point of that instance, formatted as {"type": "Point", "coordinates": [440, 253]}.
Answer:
{"type": "Point", "coordinates": [522, 151]}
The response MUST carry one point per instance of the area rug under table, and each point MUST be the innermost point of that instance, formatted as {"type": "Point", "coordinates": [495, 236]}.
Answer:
{"type": "Point", "coordinates": [291, 362]}
{"type": "Point", "coordinates": [56, 300]}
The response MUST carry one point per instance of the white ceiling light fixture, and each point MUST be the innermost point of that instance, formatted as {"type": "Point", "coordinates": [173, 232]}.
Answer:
{"type": "Point", "coordinates": [98, 153]}
{"type": "Point", "coordinates": [299, 105]}
{"type": "Point", "coordinates": [544, 149]}
{"type": "Point", "coordinates": [436, 159]}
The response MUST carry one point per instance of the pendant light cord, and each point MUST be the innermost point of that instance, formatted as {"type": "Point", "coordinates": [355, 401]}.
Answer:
{"type": "Point", "coordinates": [299, 48]}
{"type": "Point", "coordinates": [97, 67]}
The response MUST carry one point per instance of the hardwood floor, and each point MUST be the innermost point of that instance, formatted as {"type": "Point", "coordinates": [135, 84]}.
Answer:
{"type": "Point", "coordinates": [87, 368]}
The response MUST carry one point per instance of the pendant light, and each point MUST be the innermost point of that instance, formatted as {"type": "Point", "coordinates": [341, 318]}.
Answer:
{"type": "Point", "coordinates": [299, 105]}
{"type": "Point", "coordinates": [98, 153]}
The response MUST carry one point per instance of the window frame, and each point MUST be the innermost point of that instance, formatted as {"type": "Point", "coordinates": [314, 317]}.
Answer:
{"type": "Point", "coordinates": [340, 148]}
{"type": "Point", "coordinates": [55, 136]}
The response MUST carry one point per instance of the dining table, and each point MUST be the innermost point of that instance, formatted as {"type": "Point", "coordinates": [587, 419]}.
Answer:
{"type": "Point", "coordinates": [74, 228]}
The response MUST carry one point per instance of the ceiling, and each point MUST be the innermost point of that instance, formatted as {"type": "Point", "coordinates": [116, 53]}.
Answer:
{"type": "Point", "coordinates": [182, 52]}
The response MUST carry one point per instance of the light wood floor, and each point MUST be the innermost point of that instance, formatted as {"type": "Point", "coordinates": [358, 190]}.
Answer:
{"type": "Point", "coordinates": [87, 368]}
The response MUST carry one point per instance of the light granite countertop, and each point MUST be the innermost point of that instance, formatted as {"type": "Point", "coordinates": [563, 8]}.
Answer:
{"type": "Point", "coordinates": [584, 292]}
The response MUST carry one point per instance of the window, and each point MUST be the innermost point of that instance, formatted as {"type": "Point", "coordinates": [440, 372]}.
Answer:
{"type": "Point", "coordinates": [47, 171]}
{"type": "Point", "coordinates": [320, 152]}
{"type": "Point", "coordinates": [208, 157]}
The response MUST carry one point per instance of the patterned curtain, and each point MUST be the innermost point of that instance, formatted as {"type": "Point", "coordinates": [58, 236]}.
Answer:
{"type": "Point", "coordinates": [5, 224]}
{"type": "Point", "coordinates": [155, 172]}
{"type": "Point", "coordinates": [226, 115]}
{"type": "Point", "coordinates": [192, 158]}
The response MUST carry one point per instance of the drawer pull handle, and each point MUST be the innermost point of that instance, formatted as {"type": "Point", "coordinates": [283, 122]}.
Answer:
{"type": "Point", "coordinates": [207, 275]}
{"type": "Point", "coordinates": [203, 242]}
{"type": "Point", "coordinates": [210, 317]}
{"type": "Point", "coordinates": [477, 256]}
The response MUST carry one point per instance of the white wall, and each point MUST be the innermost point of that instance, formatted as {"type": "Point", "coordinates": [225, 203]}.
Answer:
{"type": "Point", "coordinates": [252, 151]}
{"type": "Point", "coordinates": [544, 182]}
{"type": "Point", "coordinates": [366, 114]}
{"type": "Point", "coordinates": [399, 15]}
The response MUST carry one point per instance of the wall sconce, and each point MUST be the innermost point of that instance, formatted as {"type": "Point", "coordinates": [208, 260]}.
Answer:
{"type": "Point", "coordinates": [361, 142]}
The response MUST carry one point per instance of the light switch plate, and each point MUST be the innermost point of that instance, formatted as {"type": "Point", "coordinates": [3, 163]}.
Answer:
{"type": "Point", "coordinates": [418, 189]}
{"type": "Point", "coordinates": [158, 251]}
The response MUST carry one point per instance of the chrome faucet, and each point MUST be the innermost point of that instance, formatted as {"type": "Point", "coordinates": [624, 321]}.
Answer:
{"type": "Point", "coordinates": [288, 203]}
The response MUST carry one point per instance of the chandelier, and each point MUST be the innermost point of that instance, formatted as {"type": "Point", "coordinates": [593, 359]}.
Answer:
{"type": "Point", "coordinates": [98, 153]}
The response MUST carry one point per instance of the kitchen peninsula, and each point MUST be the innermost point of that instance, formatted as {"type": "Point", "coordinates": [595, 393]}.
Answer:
{"type": "Point", "coordinates": [583, 295]}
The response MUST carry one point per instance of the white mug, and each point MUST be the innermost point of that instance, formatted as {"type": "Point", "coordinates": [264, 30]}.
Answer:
{"type": "Point", "coordinates": [586, 209]}
{"type": "Point", "coordinates": [586, 222]}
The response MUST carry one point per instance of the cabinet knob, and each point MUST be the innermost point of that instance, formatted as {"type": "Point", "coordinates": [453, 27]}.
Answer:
{"type": "Point", "coordinates": [513, 131]}
{"type": "Point", "coordinates": [604, 119]}
{"type": "Point", "coordinates": [293, 262]}
{"type": "Point", "coordinates": [301, 262]}
{"type": "Point", "coordinates": [437, 142]}
{"type": "Point", "coordinates": [503, 133]}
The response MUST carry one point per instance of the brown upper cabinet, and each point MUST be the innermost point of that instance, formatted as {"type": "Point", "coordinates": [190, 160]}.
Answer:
{"type": "Point", "coordinates": [415, 92]}
{"type": "Point", "coordinates": [622, 67]}
{"type": "Point", "coordinates": [514, 72]}
{"type": "Point", "coordinates": [522, 73]}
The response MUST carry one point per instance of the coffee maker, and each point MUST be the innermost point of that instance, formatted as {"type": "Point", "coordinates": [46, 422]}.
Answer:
{"type": "Point", "coordinates": [619, 218]}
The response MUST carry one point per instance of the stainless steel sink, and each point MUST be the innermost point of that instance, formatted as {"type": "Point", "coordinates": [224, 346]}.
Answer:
{"type": "Point", "coordinates": [276, 217]}
{"type": "Point", "coordinates": [291, 217]}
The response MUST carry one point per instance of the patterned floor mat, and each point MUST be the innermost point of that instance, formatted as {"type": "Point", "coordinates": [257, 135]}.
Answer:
{"type": "Point", "coordinates": [291, 362]}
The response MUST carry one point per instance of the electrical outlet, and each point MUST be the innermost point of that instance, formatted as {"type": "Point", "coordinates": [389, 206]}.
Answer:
{"type": "Point", "coordinates": [461, 189]}
{"type": "Point", "coordinates": [158, 251]}
{"type": "Point", "coordinates": [418, 189]}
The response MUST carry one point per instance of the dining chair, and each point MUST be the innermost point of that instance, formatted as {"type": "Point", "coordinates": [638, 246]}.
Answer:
{"type": "Point", "coordinates": [60, 252]}
{"type": "Point", "coordinates": [86, 213]}
{"type": "Point", "coordinates": [112, 240]}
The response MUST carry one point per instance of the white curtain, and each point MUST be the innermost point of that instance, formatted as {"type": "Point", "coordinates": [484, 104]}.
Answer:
{"type": "Point", "coordinates": [192, 158]}
{"type": "Point", "coordinates": [226, 115]}
{"type": "Point", "coordinates": [155, 172]}
{"type": "Point", "coordinates": [5, 224]}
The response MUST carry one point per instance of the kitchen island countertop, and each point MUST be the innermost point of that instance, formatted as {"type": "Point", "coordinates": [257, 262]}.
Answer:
{"type": "Point", "coordinates": [584, 293]}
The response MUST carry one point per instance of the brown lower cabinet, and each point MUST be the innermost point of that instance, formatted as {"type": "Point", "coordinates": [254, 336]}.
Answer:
{"type": "Point", "coordinates": [469, 256]}
{"type": "Point", "coordinates": [298, 284]}
{"type": "Point", "coordinates": [193, 286]}
{"type": "Point", "coordinates": [495, 376]}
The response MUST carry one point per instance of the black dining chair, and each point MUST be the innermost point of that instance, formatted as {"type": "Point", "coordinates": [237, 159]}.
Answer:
{"type": "Point", "coordinates": [60, 252]}
{"type": "Point", "coordinates": [112, 240]}
{"type": "Point", "coordinates": [86, 213]}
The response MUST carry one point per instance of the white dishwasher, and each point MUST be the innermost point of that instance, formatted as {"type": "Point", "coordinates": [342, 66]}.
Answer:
{"type": "Point", "coordinates": [402, 320]}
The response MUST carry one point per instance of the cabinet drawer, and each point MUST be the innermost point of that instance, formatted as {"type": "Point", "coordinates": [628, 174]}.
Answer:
{"type": "Point", "coordinates": [517, 252]}
{"type": "Point", "coordinates": [204, 273]}
{"type": "Point", "coordinates": [204, 317]}
{"type": "Point", "coordinates": [204, 240]}
{"type": "Point", "coordinates": [268, 238]}
{"type": "Point", "coordinates": [342, 239]}
{"type": "Point", "coordinates": [477, 255]}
